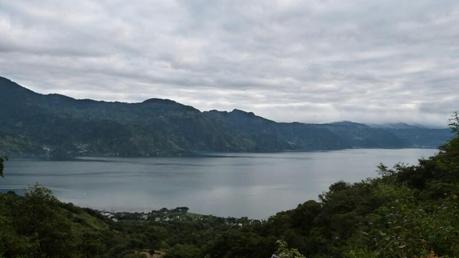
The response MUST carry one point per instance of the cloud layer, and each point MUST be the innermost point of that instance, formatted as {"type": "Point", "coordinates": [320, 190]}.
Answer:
{"type": "Point", "coordinates": [288, 60]}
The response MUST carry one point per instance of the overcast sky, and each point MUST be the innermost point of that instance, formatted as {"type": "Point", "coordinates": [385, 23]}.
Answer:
{"type": "Point", "coordinates": [287, 60]}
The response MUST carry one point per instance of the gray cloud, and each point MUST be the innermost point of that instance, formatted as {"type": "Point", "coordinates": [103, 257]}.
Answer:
{"type": "Point", "coordinates": [288, 60]}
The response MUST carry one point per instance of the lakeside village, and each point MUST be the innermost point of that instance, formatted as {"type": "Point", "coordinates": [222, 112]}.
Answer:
{"type": "Point", "coordinates": [179, 214]}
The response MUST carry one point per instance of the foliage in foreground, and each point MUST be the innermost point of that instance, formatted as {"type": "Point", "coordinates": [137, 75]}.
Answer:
{"type": "Point", "coordinates": [409, 211]}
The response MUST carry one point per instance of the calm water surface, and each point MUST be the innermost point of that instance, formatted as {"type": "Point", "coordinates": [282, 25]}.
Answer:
{"type": "Point", "coordinates": [252, 185]}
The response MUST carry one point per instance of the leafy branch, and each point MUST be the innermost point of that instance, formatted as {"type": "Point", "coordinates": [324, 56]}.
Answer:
{"type": "Point", "coordinates": [454, 122]}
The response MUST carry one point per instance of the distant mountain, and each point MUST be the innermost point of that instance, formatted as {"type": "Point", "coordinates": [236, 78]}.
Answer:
{"type": "Point", "coordinates": [60, 127]}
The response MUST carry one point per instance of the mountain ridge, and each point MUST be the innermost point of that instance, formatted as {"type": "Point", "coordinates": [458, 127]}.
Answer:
{"type": "Point", "coordinates": [58, 126]}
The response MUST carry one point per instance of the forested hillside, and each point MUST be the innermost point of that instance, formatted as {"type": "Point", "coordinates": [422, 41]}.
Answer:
{"type": "Point", "coordinates": [59, 127]}
{"type": "Point", "coordinates": [409, 211]}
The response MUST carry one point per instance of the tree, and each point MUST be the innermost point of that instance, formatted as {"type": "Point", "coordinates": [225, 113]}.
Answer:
{"type": "Point", "coordinates": [284, 252]}
{"type": "Point", "coordinates": [454, 122]}
{"type": "Point", "coordinates": [43, 222]}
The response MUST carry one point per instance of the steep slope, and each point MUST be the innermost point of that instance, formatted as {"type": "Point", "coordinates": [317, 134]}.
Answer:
{"type": "Point", "coordinates": [58, 126]}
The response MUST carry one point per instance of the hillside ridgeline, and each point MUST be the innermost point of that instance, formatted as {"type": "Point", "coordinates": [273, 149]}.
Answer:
{"type": "Point", "coordinates": [60, 127]}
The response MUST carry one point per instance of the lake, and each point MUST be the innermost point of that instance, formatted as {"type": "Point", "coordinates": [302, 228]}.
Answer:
{"type": "Point", "coordinates": [252, 185]}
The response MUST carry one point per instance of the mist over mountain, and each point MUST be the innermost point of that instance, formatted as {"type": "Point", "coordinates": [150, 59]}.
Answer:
{"type": "Point", "coordinates": [57, 126]}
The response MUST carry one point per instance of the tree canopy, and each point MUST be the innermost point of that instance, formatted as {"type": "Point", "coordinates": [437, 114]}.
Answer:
{"type": "Point", "coordinates": [454, 122]}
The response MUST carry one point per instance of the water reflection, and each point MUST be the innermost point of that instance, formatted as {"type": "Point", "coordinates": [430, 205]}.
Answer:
{"type": "Point", "coordinates": [253, 185]}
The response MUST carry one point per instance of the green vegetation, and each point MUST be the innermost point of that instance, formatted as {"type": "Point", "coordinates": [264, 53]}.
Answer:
{"type": "Point", "coordinates": [38, 125]}
{"type": "Point", "coordinates": [454, 122]}
{"type": "Point", "coordinates": [409, 211]}
{"type": "Point", "coordinates": [283, 251]}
